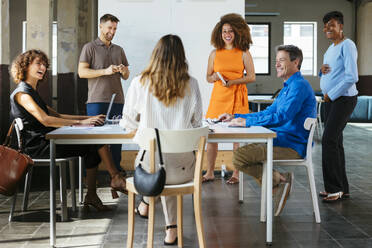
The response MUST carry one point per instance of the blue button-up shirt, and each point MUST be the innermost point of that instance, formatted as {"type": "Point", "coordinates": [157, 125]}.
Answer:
{"type": "Point", "coordinates": [286, 116]}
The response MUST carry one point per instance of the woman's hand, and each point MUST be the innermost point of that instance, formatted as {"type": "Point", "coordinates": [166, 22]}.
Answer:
{"type": "Point", "coordinates": [215, 77]}
{"type": "Point", "coordinates": [325, 69]}
{"type": "Point", "coordinates": [225, 117]}
{"type": "Point", "coordinates": [228, 83]}
{"type": "Point", "coordinates": [326, 98]}
{"type": "Point", "coordinates": [97, 120]}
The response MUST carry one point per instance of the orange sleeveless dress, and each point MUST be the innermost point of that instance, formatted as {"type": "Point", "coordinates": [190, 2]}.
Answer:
{"type": "Point", "coordinates": [232, 99]}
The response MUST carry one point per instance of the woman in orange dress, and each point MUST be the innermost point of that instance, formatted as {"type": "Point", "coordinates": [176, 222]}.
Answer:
{"type": "Point", "coordinates": [231, 37]}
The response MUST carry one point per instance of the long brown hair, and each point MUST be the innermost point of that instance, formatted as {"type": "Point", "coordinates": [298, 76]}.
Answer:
{"type": "Point", "coordinates": [242, 39]}
{"type": "Point", "coordinates": [167, 72]}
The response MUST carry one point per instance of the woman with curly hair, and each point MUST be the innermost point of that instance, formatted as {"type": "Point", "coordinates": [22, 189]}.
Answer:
{"type": "Point", "coordinates": [231, 37]}
{"type": "Point", "coordinates": [28, 70]}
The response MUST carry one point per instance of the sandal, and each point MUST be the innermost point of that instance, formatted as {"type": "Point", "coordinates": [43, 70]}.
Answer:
{"type": "Point", "coordinates": [118, 184]}
{"type": "Point", "coordinates": [233, 180]}
{"type": "Point", "coordinates": [334, 197]}
{"type": "Point", "coordinates": [95, 202]}
{"type": "Point", "coordinates": [136, 210]}
{"type": "Point", "coordinates": [175, 240]}
{"type": "Point", "coordinates": [325, 194]}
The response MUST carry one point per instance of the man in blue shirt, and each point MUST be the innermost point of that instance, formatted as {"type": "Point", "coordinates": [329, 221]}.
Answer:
{"type": "Point", "coordinates": [286, 116]}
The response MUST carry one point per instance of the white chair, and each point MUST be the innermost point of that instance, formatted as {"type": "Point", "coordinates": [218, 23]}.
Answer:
{"type": "Point", "coordinates": [310, 124]}
{"type": "Point", "coordinates": [172, 141]}
{"type": "Point", "coordinates": [61, 162]}
{"type": "Point", "coordinates": [319, 101]}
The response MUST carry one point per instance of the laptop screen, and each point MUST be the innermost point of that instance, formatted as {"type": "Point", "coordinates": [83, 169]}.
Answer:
{"type": "Point", "coordinates": [109, 108]}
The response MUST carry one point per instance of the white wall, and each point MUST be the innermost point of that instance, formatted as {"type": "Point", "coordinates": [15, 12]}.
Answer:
{"type": "Point", "coordinates": [364, 39]}
{"type": "Point", "coordinates": [144, 22]}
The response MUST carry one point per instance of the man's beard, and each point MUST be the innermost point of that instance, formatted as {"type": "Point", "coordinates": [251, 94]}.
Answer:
{"type": "Point", "coordinates": [108, 37]}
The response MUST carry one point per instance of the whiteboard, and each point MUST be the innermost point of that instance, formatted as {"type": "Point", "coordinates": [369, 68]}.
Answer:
{"type": "Point", "coordinates": [144, 22]}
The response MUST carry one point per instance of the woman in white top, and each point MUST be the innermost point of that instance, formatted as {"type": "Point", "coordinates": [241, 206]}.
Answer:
{"type": "Point", "coordinates": [166, 97]}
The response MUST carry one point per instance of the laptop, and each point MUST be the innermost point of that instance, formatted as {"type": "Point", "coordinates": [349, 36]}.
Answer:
{"type": "Point", "coordinates": [107, 119]}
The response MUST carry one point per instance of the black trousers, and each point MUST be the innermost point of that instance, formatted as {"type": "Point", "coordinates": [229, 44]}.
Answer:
{"type": "Point", "coordinates": [337, 114]}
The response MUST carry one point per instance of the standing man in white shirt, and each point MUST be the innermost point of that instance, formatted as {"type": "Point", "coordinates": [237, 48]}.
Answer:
{"type": "Point", "coordinates": [104, 64]}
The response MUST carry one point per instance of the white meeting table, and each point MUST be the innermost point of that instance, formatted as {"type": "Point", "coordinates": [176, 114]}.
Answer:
{"type": "Point", "coordinates": [114, 134]}
{"type": "Point", "coordinates": [260, 99]}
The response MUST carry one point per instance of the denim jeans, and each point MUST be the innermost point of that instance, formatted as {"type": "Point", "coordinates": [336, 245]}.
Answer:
{"type": "Point", "coordinates": [101, 108]}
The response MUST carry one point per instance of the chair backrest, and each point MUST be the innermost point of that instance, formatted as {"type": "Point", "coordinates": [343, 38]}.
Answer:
{"type": "Point", "coordinates": [310, 124]}
{"type": "Point", "coordinates": [18, 126]}
{"type": "Point", "coordinates": [172, 141]}
{"type": "Point", "coordinates": [175, 141]}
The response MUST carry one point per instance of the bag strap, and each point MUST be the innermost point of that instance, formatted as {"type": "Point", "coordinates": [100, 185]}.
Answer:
{"type": "Point", "coordinates": [9, 135]}
{"type": "Point", "coordinates": [143, 155]}
{"type": "Point", "coordinates": [159, 147]}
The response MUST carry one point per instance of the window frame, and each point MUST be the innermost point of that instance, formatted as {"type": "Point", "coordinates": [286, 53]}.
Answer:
{"type": "Point", "coordinates": [314, 42]}
{"type": "Point", "coordinates": [269, 46]}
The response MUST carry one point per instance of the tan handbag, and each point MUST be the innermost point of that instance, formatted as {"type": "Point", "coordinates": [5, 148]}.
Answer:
{"type": "Point", "coordinates": [13, 165]}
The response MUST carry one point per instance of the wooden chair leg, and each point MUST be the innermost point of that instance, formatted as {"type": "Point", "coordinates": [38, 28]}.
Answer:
{"type": "Point", "coordinates": [199, 219]}
{"type": "Point", "coordinates": [150, 232]}
{"type": "Point", "coordinates": [131, 200]}
{"type": "Point", "coordinates": [180, 220]}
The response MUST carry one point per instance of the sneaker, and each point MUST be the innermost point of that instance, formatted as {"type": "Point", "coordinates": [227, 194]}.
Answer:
{"type": "Point", "coordinates": [289, 178]}
{"type": "Point", "coordinates": [280, 197]}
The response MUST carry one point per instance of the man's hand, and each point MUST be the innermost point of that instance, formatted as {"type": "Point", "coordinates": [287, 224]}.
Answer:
{"type": "Point", "coordinates": [225, 117]}
{"type": "Point", "coordinates": [326, 98]}
{"type": "Point", "coordinates": [237, 122]}
{"type": "Point", "coordinates": [124, 71]}
{"type": "Point", "coordinates": [325, 69]}
{"type": "Point", "coordinates": [111, 70]}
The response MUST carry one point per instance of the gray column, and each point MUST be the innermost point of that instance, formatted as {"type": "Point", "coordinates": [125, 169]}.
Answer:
{"type": "Point", "coordinates": [39, 36]}
{"type": "Point", "coordinates": [87, 31]}
{"type": "Point", "coordinates": [4, 65]}
{"type": "Point", "coordinates": [67, 54]}
{"type": "Point", "coordinates": [364, 38]}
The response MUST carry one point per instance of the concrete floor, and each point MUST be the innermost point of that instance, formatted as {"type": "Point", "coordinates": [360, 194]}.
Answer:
{"type": "Point", "coordinates": [227, 223]}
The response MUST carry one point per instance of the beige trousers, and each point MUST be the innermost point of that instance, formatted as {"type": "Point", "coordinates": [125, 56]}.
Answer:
{"type": "Point", "coordinates": [249, 159]}
{"type": "Point", "coordinates": [179, 169]}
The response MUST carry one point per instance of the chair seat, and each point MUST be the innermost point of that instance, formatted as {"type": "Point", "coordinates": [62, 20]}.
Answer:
{"type": "Point", "coordinates": [47, 160]}
{"type": "Point", "coordinates": [171, 189]}
{"type": "Point", "coordinates": [290, 162]}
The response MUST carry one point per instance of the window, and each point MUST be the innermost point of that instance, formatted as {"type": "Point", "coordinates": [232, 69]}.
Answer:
{"type": "Point", "coordinates": [260, 49]}
{"type": "Point", "coordinates": [303, 35]}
